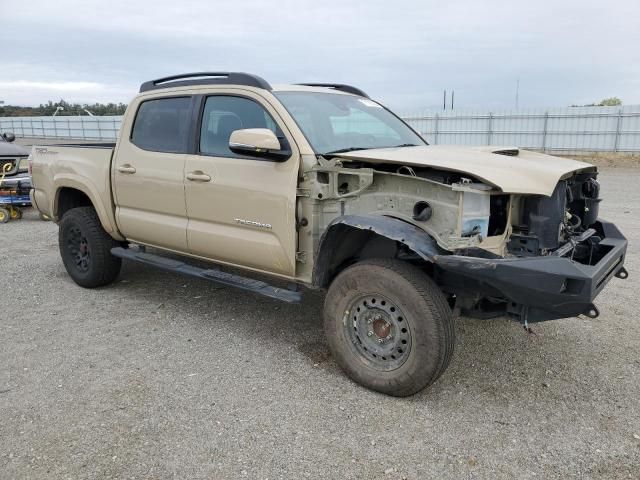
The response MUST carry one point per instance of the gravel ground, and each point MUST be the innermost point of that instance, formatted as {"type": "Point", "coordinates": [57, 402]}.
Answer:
{"type": "Point", "coordinates": [159, 376]}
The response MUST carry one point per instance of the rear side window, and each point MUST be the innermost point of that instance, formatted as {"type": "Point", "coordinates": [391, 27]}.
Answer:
{"type": "Point", "coordinates": [162, 125]}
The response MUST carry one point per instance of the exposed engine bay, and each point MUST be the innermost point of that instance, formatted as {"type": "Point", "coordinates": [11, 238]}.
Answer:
{"type": "Point", "coordinates": [498, 240]}
{"type": "Point", "coordinates": [465, 215]}
{"type": "Point", "coordinates": [543, 224]}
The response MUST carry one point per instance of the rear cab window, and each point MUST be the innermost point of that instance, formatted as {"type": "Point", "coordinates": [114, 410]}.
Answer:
{"type": "Point", "coordinates": [163, 125]}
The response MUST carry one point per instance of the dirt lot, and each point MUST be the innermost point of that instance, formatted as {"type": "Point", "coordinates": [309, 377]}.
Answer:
{"type": "Point", "coordinates": [159, 376]}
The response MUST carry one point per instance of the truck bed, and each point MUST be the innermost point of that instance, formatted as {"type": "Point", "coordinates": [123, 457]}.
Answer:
{"type": "Point", "coordinates": [85, 166]}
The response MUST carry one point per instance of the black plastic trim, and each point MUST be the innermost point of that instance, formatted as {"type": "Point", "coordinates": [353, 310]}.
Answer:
{"type": "Point", "coordinates": [206, 78]}
{"type": "Point", "coordinates": [338, 86]}
{"type": "Point", "coordinates": [542, 287]}
{"type": "Point", "coordinates": [212, 274]}
{"type": "Point", "coordinates": [412, 237]}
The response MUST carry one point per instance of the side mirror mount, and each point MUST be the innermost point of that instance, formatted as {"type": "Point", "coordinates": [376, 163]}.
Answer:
{"type": "Point", "coordinates": [9, 137]}
{"type": "Point", "coordinates": [259, 142]}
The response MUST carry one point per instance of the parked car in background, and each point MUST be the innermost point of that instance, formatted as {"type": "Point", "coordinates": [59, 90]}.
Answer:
{"type": "Point", "coordinates": [15, 181]}
{"type": "Point", "coordinates": [13, 154]}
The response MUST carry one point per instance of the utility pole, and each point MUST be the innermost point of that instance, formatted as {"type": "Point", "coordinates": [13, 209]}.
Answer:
{"type": "Point", "coordinates": [444, 101]}
{"type": "Point", "coordinates": [453, 92]}
{"type": "Point", "coordinates": [517, 91]}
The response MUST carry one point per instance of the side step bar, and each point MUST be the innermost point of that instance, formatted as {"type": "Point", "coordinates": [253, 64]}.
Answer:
{"type": "Point", "coordinates": [256, 286]}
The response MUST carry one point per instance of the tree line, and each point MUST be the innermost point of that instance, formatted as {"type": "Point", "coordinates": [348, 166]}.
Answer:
{"type": "Point", "coordinates": [49, 108]}
{"type": "Point", "coordinates": [605, 102]}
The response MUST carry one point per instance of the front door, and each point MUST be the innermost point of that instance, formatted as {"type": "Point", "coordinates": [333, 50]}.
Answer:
{"type": "Point", "coordinates": [148, 173]}
{"type": "Point", "coordinates": [241, 208]}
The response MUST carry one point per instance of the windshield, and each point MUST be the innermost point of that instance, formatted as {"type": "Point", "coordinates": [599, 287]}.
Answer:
{"type": "Point", "coordinates": [336, 123]}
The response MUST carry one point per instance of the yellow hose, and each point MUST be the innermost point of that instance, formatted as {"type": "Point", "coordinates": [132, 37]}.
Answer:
{"type": "Point", "coordinates": [5, 169]}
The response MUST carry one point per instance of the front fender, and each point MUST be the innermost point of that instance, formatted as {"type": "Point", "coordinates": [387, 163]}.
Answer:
{"type": "Point", "coordinates": [391, 228]}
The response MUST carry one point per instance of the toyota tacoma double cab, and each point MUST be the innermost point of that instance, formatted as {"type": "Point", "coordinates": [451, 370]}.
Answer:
{"type": "Point", "coordinates": [318, 185]}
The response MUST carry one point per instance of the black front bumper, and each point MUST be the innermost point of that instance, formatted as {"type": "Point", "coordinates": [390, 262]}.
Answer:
{"type": "Point", "coordinates": [538, 288]}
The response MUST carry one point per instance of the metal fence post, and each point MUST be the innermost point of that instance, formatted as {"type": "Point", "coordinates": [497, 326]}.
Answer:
{"type": "Point", "coordinates": [489, 131]}
{"type": "Point", "coordinates": [435, 135]}
{"type": "Point", "coordinates": [616, 143]}
{"type": "Point", "coordinates": [544, 131]}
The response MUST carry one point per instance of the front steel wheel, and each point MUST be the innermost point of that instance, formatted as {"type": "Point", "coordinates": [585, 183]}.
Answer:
{"type": "Point", "coordinates": [378, 332]}
{"type": "Point", "coordinates": [389, 326]}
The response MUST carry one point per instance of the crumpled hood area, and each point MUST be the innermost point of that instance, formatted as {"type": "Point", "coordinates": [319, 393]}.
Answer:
{"type": "Point", "coordinates": [525, 173]}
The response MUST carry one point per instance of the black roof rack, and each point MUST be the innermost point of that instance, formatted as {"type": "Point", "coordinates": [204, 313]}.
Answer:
{"type": "Point", "coordinates": [206, 78]}
{"type": "Point", "coordinates": [338, 86]}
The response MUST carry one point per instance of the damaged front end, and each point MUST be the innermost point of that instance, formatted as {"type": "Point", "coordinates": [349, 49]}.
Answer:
{"type": "Point", "coordinates": [559, 257]}
{"type": "Point", "coordinates": [496, 251]}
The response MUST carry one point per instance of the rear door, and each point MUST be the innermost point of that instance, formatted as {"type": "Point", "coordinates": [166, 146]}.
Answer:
{"type": "Point", "coordinates": [241, 208]}
{"type": "Point", "coordinates": [148, 172]}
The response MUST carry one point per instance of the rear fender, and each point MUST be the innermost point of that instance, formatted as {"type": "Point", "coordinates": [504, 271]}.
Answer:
{"type": "Point", "coordinates": [106, 215]}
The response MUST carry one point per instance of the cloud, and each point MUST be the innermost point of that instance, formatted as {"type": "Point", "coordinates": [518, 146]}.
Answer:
{"type": "Point", "coordinates": [404, 52]}
{"type": "Point", "coordinates": [53, 86]}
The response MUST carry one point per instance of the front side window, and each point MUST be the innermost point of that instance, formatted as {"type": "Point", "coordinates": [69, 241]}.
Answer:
{"type": "Point", "coordinates": [333, 122]}
{"type": "Point", "coordinates": [223, 115]}
{"type": "Point", "coordinates": [162, 125]}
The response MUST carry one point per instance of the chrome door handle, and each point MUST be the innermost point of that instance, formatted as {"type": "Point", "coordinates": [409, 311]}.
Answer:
{"type": "Point", "coordinates": [198, 176]}
{"type": "Point", "coordinates": [126, 168]}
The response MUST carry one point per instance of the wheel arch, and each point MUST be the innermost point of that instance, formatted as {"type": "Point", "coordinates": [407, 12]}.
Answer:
{"type": "Point", "coordinates": [355, 237]}
{"type": "Point", "coordinates": [71, 193]}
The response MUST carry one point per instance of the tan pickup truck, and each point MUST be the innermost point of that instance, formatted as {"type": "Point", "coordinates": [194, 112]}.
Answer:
{"type": "Point", "coordinates": [321, 186]}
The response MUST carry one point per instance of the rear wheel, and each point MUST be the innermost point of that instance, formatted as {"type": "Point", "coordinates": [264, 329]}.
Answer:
{"type": "Point", "coordinates": [389, 326]}
{"type": "Point", "coordinates": [16, 213]}
{"type": "Point", "coordinates": [86, 248]}
{"type": "Point", "coordinates": [5, 216]}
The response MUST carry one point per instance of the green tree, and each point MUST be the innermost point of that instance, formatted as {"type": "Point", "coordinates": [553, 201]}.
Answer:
{"type": "Point", "coordinates": [610, 102]}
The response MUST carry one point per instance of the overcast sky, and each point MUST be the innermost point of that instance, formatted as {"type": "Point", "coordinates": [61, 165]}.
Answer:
{"type": "Point", "coordinates": [402, 52]}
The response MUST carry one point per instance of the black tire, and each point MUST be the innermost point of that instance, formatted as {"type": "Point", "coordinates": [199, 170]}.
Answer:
{"type": "Point", "coordinates": [5, 216]}
{"type": "Point", "coordinates": [85, 249]}
{"type": "Point", "coordinates": [16, 213]}
{"type": "Point", "coordinates": [430, 333]}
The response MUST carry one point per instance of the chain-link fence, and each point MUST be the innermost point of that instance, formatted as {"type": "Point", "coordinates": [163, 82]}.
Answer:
{"type": "Point", "coordinates": [572, 129]}
{"type": "Point", "coordinates": [72, 127]}
{"type": "Point", "coordinates": [566, 130]}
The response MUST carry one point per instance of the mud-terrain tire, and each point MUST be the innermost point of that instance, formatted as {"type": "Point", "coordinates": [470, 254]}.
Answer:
{"type": "Point", "coordinates": [85, 249]}
{"type": "Point", "coordinates": [389, 326]}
